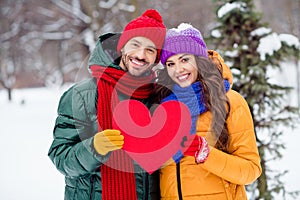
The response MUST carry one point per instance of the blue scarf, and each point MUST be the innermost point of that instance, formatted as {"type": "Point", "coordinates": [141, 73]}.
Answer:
{"type": "Point", "coordinates": [193, 98]}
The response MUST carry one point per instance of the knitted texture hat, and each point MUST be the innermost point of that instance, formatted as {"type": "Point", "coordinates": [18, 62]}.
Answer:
{"type": "Point", "coordinates": [183, 39]}
{"type": "Point", "coordinates": [149, 25]}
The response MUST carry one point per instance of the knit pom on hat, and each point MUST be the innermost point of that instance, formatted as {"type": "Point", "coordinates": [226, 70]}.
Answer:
{"type": "Point", "coordinates": [183, 39]}
{"type": "Point", "coordinates": [149, 25]}
{"type": "Point", "coordinates": [182, 27]}
{"type": "Point", "coordinates": [153, 14]}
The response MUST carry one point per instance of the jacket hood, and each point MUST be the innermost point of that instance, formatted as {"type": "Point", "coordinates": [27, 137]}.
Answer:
{"type": "Point", "coordinates": [105, 52]}
{"type": "Point", "coordinates": [221, 64]}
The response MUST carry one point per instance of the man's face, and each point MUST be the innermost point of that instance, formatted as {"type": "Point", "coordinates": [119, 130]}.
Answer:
{"type": "Point", "coordinates": [138, 55]}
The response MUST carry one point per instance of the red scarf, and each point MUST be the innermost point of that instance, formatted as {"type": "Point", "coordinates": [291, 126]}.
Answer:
{"type": "Point", "coordinates": [117, 184]}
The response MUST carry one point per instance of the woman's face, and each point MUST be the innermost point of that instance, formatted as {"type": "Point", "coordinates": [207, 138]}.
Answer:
{"type": "Point", "coordinates": [182, 69]}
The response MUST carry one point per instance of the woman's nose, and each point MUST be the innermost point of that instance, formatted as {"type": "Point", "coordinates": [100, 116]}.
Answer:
{"type": "Point", "coordinates": [179, 68]}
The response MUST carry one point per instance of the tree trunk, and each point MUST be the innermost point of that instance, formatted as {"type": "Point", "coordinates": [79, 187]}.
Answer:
{"type": "Point", "coordinates": [262, 183]}
{"type": "Point", "coordinates": [9, 94]}
{"type": "Point", "coordinates": [258, 5]}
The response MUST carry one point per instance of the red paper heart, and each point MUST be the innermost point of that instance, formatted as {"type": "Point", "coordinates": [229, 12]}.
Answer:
{"type": "Point", "coordinates": [151, 141]}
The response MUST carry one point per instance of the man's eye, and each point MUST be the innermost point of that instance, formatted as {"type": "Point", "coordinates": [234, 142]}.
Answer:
{"type": "Point", "coordinates": [135, 45]}
{"type": "Point", "coordinates": [151, 51]}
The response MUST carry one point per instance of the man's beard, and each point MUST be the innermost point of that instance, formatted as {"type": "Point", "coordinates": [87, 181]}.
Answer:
{"type": "Point", "coordinates": [125, 59]}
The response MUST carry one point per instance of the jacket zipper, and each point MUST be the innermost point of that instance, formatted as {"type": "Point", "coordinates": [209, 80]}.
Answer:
{"type": "Point", "coordinates": [92, 187]}
{"type": "Point", "coordinates": [147, 186]}
{"type": "Point", "coordinates": [178, 181]}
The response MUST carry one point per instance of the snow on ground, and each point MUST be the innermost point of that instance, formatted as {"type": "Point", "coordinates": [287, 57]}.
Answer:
{"type": "Point", "coordinates": [26, 133]}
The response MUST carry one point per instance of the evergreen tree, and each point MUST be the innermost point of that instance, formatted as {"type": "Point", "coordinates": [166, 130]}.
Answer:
{"type": "Point", "coordinates": [241, 38]}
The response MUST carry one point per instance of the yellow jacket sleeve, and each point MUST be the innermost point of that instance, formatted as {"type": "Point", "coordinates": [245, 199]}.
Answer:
{"type": "Point", "coordinates": [242, 164]}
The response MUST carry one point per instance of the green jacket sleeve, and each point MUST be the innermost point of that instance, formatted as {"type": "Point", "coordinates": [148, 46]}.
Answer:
{"type": "Point", "coordinates": [72, 149]}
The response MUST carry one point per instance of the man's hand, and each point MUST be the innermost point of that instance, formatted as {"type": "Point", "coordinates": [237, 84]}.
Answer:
{"type": "Point", "coordinates": [108, 140]}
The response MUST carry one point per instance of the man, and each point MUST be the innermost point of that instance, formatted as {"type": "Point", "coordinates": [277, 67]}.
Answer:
{"type": "Point", "coordinates": [86, 148]}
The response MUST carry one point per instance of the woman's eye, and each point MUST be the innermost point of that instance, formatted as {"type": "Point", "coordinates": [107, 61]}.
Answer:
{"type": "Point", "coordinates": [170, 64]}
{"type": "Point", "coordinates": [184, 60]}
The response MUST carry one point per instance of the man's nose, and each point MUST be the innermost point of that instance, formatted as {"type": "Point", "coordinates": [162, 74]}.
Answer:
{"type": "Point", "coordinates": [141, 53]}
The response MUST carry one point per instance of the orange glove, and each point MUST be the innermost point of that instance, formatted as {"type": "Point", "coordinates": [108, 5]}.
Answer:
{"type": "Point", "coordinates": [108, 140]}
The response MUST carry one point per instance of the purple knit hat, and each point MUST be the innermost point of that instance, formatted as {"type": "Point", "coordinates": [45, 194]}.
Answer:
{"type": "Point", "coordinates": [183, 39]}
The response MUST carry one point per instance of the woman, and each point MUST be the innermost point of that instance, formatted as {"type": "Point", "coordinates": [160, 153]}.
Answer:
{"type": "Point", "coordinates": [223, 156]}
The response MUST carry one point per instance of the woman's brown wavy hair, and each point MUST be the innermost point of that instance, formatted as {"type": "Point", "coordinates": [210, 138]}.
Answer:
{"type": "Point", "coordinates": [214, 96]}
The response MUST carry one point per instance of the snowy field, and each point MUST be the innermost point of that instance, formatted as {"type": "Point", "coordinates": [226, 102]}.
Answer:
{"type": "Point", "coordinates": [26, 134]}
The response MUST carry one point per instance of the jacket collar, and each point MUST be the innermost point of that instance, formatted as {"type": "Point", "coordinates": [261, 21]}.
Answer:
{"type": "Point", "coordinates": [105, 52]}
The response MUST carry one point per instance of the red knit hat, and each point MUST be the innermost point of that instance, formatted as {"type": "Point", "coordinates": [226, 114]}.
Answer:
{"type": "Point", "coordinates": [149, 25]}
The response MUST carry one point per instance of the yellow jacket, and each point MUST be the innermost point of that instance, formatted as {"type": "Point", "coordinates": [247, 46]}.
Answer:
{"type": "Point", "coordinates": [222, 176]}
